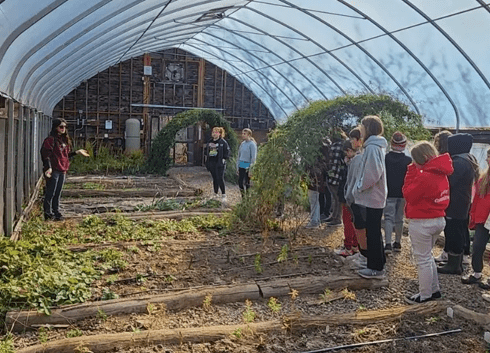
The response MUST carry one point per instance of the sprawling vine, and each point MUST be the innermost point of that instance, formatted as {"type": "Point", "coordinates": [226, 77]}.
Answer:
{"type": "Point", "coordinates": [160, 161]}
{"type": "Point", "coordinates": [279, 173]}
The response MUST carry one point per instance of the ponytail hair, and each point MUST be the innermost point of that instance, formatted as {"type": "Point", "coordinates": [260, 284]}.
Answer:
{"type": "Point", "coordinates": [249, 133]}
{"type": "Point", "coordinates": [484, 181]}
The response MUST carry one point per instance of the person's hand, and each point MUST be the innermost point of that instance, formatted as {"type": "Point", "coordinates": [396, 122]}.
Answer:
{"type": "Point", "coordinates": [83, 153]}
{"type": "Point", "coordinates": [48, 173]}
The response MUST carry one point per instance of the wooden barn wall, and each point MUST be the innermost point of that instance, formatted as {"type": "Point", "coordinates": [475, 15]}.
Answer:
{"type": "Point", "coordinates": [22, 131]}
{"type": "Point", "coordinates": [109, 95]}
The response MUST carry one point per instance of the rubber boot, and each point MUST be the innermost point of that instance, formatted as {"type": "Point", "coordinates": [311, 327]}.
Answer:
{"type": "Point", "coordinates": [453, 266]}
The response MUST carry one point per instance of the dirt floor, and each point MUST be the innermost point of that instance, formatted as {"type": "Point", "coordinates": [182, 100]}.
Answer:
{"type": "Point", "coordinates": [210, 258]}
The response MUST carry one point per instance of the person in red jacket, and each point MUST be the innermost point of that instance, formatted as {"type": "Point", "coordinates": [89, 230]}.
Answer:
{"type": "Point", "coordinates": [426, 191]}
{"type": "Point", "coordinates": [479, 212]}
{"type": "Point", "coordinates": [55, 154]}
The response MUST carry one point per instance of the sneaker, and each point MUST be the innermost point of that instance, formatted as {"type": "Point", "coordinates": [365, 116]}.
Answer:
{"type": "Point", "coordinates": [466, 259]}
{"type": "Point", "coordinates": [470, 279]}
{"type": "Point", "coordinates": [344, 252]}
{"type": "Point", "coordinates": [484, 285]}
{"type": "Point", "coordinates": [59, 218]}
{"type": "Point", "coordinates": [436, 295]}
{"type": "Point", "coordinates": [388, 249]}
{"type": "Point", "coordinates": [326, 219]}
{"type": "Point", "coordinates": [335, 223]}
{"type": "Point", "coordinates": [310, 226]}
{"type": "Point", "coordinates": [416, 299]}
{"type": "Point", "coordinates": [48, 217]}
{"type": "Point", "coordinates": [442, 257]}
{"type": "Point", "coordinates": [355, 250]}
{"type": "Point", "coordinates": [397, 247]}
{"type": "Point", "coordinates": [371, 274]}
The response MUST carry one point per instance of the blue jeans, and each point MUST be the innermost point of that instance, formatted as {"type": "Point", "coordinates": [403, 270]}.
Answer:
{"type": "Point", "coordinates": [53, 194]}
{"type": "Point", "coordinates": [394, 218]}
{"type": "Point", "coordinates": [314, 207]}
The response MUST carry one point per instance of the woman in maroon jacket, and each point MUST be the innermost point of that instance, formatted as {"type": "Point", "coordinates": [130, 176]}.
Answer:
{"type": "Point", "coordinates": [56, 153]}
{"type": "Point", "coordinates": [426, 191]}
{"type": "Point", "coordinates": [480, 210]}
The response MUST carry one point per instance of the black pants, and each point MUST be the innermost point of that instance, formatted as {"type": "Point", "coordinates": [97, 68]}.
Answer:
{"type": "Point", "coordinates": [325, 203]}
{"type": "Point", "coordinates": [218, 174]}
{"type": "Point", "coordinates": [359, 215]}
{"type": "Point", "coordinates": [53, 194]}
{"type": "Point", "coordinates": [243, 180]}
{"type": "Point", "coordinates": [479, 243]}
{"type": "Point", "coordinates": [455, 231]}
{"type": "Point", "coordinates": [376, 255]}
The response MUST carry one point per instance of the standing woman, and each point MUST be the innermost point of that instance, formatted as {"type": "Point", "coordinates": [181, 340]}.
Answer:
{"type": "Point", "coordinates": [370, 191]}
{"type": "Point", "coordinates": [217, 152]}
{"type": "Point", "coordinates": [479, 213]}
{"type": "Point", "coordinates": [56, 154]}
{"type": "Point", "coordinates": [426, 191]}
{"type": "Point", "coordinates": [247, 153]}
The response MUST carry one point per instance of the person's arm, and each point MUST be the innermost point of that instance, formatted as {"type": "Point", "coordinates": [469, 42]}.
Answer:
{"type": "Point", "coordinates": [415, 184]}
{"type": "Point", "coordinates": [46, 155]}
{"type": "Point", "coordinates": [226, 150]}
{"type": "Point", "coordinates": [373, 169]}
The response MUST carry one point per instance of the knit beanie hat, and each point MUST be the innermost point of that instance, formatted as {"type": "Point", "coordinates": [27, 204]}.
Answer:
{"type": "Point", "coordinates": [398, 141]}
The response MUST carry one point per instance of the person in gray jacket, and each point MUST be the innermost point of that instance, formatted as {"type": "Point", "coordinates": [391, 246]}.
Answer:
{"type": "Point", "coordinates": [247, 153]}
{"type": "Point", "coordinates": [371, 191]}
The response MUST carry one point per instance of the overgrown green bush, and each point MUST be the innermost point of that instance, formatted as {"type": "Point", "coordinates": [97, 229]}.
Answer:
{"type": "Point", "coordinates": [160, 161]}
{"type": "Point", "coordinates": [279, 174]}
{"type": "Point", "coordinates": [107, 162]}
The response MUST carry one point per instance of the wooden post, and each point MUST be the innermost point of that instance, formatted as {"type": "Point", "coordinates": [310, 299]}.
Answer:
{"type": "Point", "coordinates": [9, 171]}
{"type": "Point", "coordinates": [200, 83]}
{"type": "Point", "coordinates": [3, 132]}
{"type": "Point", "coordinates": [146, 100]}
{"type": "Point", "coordinates": [19, 179]}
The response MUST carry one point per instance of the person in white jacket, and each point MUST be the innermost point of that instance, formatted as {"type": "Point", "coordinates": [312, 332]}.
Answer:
{"type": "Point", "coordinates": [370, 191]}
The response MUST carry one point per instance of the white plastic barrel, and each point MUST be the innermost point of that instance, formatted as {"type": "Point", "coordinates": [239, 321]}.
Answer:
{"type": "Point", "coordinates": [133, 127]}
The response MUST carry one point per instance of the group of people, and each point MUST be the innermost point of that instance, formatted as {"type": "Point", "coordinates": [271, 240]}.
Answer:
{"type": "Point", "coordinates": [439, 188]}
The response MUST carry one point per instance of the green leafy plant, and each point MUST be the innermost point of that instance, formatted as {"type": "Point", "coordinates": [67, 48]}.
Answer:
{"type": "Point", "coordinates": [206, 304]}
{"type": "Point", "coordinates": [238, 333]}
{"type": "Point", "coordinates": [248, 315]}
{"type": "Point", "coordinates": [274, 305]}
{"type": "Point", "coordinates": [104, 160]}
{"type": "Point", "coordinates": [283, 254]}
{"type": "Point", "coordinates": [150, 308]}
{"type": "Point", "coordinates": [43, 334]}
{"type": "Point", "coordinates": [257, 263]}
{"type": "Point", "coordinates": [101, 315]}
{"type": "Point", "coordinates": [93, 186]}
{"type": "Point", "coordinates": [74, 333]}
{"type": "Point", "coordinates": [112, 279]}
{"type": "Point", "coordinates": [7, 344]}
{"type": "Point", "coordinates": [432, 319]}
{"type": "Point", "coordinates": [325, 295]}
{"type": "Point", "coordinates": [107, 294]}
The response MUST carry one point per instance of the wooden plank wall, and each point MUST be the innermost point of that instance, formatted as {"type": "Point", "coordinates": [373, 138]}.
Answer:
{"type": "Point", "coordinates": [109, 95]}
{"type": "Point", "coordinates": [22, 130]}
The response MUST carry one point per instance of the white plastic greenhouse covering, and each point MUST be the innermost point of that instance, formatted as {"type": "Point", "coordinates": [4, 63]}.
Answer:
{"type": "Point", "coordinates": [431, 54]}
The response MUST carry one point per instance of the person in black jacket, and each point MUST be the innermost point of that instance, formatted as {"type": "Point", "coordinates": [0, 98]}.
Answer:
{"type": "Point", "coordinates": [217, 152]}
{"type": "Point", "coordinates": [457, 213]}
{"type": "Point", "coordinates": [396, 163]}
